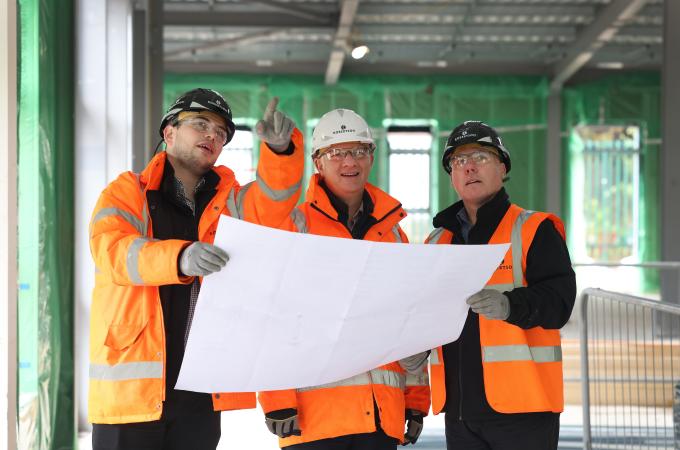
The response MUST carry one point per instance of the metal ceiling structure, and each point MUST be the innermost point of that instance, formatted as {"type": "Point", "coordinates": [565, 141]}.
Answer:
{"type": "Point", "coordinates": [551, 37]}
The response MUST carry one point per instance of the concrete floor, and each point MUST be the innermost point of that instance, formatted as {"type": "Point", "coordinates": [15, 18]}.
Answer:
{"type": "Point", "coordinates": [245, 430]}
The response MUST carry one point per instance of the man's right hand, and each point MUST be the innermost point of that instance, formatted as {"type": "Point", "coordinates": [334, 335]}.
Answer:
{"type": "Point", "coordinates": [283, 422]}
{"type": "Point", "coordinates": [201, 259]}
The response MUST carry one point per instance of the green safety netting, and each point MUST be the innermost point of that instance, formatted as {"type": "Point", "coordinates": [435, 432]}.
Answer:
{"type": "Point", "coordinates": [516, 105]}
{"type": "Point", "coordinates": [45, 249]}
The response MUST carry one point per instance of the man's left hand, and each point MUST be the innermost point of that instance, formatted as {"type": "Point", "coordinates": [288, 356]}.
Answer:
{"type": "Point", "coordinates": [275, 128]}
{"type": "Point", "coordinates": [414, 426]}
{"type": "Point", "coordinates": [491, 304]}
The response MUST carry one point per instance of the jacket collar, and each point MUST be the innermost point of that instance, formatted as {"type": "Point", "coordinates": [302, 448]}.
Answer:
{"type": "Point", "coordinates": [488, 216]}
{"type": "Point", "coordinates": [152, 176]}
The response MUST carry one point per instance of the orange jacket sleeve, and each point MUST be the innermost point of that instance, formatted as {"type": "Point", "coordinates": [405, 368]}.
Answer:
{"type": "Point", "coordinates": [120, 242]}
{"type": "Point", "coordinates": [270, 199]}
{"type": "Point", "coordinates": [275, 400]}
{"type": "Point", "coordinates": [417, 393]}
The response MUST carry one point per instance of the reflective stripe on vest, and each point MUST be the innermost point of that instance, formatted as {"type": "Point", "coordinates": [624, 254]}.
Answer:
{"type": "Point", "coordinates": [422, 379]}
{"type": "Point", "coordinates": [132, 260]}
{"type": "Point", "coordinates": [434, 356]}
{"type": "Point", "coordinates": [126, 371]}
{"type": "Point", "coordinates": [231, 205]}
{"type": "Point", "coordinates": [127, 216]}
{"type": "Point", "coordinates": [278, 195]}
{"type": "Point", "coordinates": [433, 238]}
{"type": "Point", "coordinates": [397, 235]}
{"type": "Point", "coordinates": [505, 353]}
{"type": "Point", "coordinates": [376, 376]}
{"type": "Point", "coordinates": [299, 220]}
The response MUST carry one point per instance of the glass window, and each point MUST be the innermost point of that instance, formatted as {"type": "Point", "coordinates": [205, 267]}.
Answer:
{"type": "Point", "coordinates": [238, 155]}
{"type": "Point", "coordinates": [606, 203]}
{"type": "Point", "coordinates": [409, 177]}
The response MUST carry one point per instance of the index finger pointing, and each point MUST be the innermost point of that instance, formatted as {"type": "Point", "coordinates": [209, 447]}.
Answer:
{"type": "Point", "coordinates": [271, 107]}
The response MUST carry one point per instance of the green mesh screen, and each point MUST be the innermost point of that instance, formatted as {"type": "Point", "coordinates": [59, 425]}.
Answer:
{"type": "Point", "coordinates": [517, 106]}
{"type": "Point", "coordinates": [46, 305]}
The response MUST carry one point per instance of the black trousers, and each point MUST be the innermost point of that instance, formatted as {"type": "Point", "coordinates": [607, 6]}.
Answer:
{"type": "Point", "coordinates": [532, 431]}
{"type": "Point", "coordinates": [182, 426]}
{"type": "Point", "coordinates": [377, 440]}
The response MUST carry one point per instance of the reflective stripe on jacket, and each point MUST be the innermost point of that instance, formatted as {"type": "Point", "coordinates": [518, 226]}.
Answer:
{"type": "Point", "coordinates": [127, 338]}
{"type": "Point", "coordinates": [346, 406]}
{"type": "Point", "coordinates": [522, 368]}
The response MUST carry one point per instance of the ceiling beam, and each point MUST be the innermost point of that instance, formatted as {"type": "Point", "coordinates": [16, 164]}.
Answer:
{"type": "Point", "coordinates": [607, 23]}
{"type": "Point", "coordinates": [348, 12]}
{"type": "Point", "coordinates": [245, 19]}
{"type": "Point", "coordinates": [291, 10]}
{"type": "Point", "coordinates": [249, 66]}
{"type": "Point", "coordinates": [247, 38]}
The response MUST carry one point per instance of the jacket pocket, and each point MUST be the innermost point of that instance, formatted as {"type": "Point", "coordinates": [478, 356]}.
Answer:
{"type": "Point", "coordinates": [121, 336]}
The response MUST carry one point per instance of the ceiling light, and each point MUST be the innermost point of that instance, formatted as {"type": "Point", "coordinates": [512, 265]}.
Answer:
{"type": "Point", "coordinates": [610, 65]}
{"type": "Point", "coordinates": [360, 51]}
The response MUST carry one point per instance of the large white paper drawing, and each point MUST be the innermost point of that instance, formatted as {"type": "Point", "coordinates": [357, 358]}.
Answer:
{"type": "Point", "coordinates": [295, 310]}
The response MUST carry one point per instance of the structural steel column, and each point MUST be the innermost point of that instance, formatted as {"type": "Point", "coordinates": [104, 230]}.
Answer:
{"type": "Point", "coordinates": [102, 144]}
{"type": "Point", "coordinates": [154, 72]}
{"type": "Point", "coordinates": [553, 160]}
{"type": "Point", "coordinates": [670, 150]}
{"type": "Point", "coordinates": [140, 149]}
{"type": "Point", "coordinates": [8, 225]}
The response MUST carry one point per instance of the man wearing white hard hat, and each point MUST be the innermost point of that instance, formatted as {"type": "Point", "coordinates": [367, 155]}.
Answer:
{"type": "Point", "coordinates": [368, 411]}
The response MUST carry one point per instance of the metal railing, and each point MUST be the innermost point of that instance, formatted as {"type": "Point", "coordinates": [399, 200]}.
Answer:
{"type": "Point", "coordinates": [630, 371]}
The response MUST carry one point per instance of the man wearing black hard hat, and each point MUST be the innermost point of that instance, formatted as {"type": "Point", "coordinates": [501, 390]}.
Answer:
{"type": "Point", "coordinates": [151, 239]}
{"type": "Point", "coordinates": [500, 383]}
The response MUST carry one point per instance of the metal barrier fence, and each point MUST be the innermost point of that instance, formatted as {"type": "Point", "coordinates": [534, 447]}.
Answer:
{"type": "Point", "coordinates": [630, 371]}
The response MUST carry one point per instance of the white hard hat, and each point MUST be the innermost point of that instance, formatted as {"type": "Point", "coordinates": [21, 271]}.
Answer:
{"type": "Point", "coordinates": [338, 126]}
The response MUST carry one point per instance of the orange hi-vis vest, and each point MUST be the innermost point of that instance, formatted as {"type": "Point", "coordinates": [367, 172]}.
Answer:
{"type": "Point", "coordinates": [522, 368]}
{"type": "Point", "coordinates": [346, 406]}
{"type": "Point", "coordinates": [127, 337]}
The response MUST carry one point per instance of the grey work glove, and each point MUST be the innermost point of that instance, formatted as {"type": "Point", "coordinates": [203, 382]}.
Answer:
{"type": "Point", "coordinates": [283, 422]}
{"type": "Point", "coordinates": [275, 128]}
{"type": "Point", "coordinates": [200, 259]}
{"type": "Point", "coordinates": [414, 364]}
{"type": "Point", "coordinates": [491, 304]}
{"type": "Point", "coordinates": [414, 426]}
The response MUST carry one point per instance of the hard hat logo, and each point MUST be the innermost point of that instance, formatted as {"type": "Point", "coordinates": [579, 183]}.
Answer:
{"type": "Point", "coordinates": [344, 129]}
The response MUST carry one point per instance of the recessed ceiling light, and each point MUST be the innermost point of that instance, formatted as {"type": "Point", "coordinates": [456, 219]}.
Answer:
{"type": "Point", "coordinates": [360, 51]}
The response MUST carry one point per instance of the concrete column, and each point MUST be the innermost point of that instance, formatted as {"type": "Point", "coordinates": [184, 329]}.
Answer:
{"type": "Point", "coordinates": [154, 72]}
{"type": "Point", "coordinates": [141, 151]}
{"type": "Point", "coordinates": [103, 140]}
{"type": "Point", "coordinates": [553, 159]}
{"type": "Point", "coordinates": [670, 150]}
{"type": "Point", "coordinates": [8, 225]}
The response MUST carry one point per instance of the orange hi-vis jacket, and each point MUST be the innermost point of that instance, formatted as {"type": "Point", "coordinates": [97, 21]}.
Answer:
{"type": "Point", "coordinates": [346, 406]}
{"type": "Point", "coordinates": [522, 368]}
{"type": "Point", "coordinates": [127, 337]}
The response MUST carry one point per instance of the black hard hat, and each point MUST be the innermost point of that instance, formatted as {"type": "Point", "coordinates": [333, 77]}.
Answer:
{"type": "Point", "coordinates": [474, 131]}
{"type": "Point", "coordinates": [200, 100]}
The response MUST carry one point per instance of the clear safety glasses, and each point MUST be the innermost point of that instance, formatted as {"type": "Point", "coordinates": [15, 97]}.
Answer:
{"type": "Point", "coordinates": [339, 154]}
{"type": "Point", "coordinates": [204, 126]}
{"type": "Point", "coordinates": [479, 157]}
